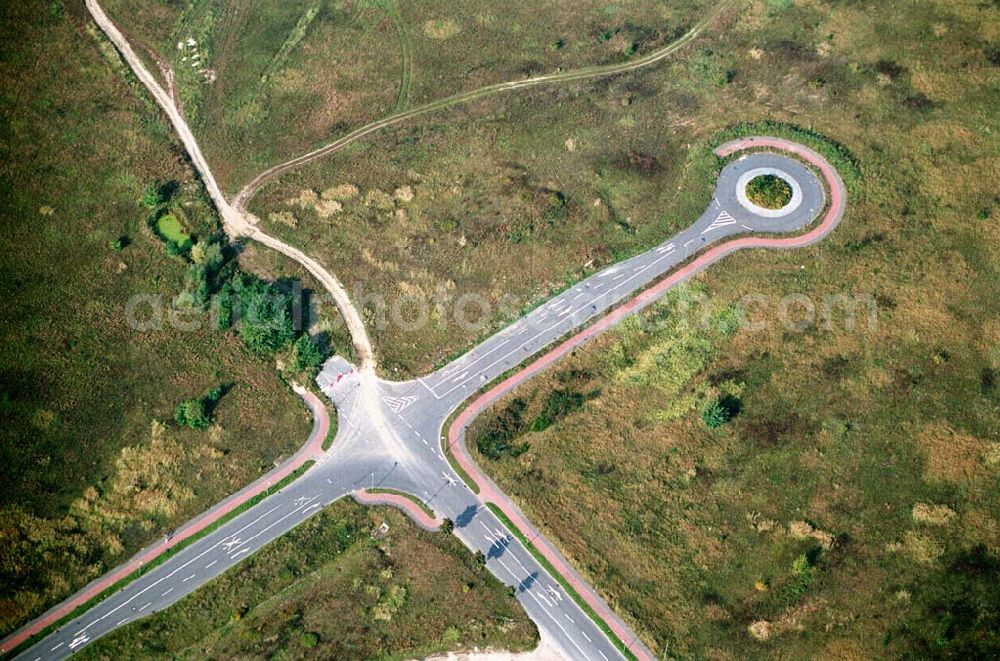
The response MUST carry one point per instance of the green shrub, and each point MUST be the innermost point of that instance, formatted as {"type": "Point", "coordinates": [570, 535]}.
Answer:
{"type": "Point", "coordinates": [197, 413]}
{"type": "Point", "coordinates": [496, 440]}
{"type": "Point", "coordinates": [769, 191]}
{"type": "Point", "coordinates": [308, 640]}
{"type": "Point", "coordinates": [192, 413]}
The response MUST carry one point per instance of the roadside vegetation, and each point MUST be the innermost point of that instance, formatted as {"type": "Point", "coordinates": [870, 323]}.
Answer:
{"type": "Point", "coordinates": [337, 587]}
{"type": "Point", "coordinates": [265, 82]}
{"type": "Point", "coordinates": [94, 465]}
{"type": "Point", "coordinates": [806, 487]}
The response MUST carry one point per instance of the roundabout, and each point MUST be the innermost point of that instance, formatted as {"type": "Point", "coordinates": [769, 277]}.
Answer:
{"type": "Point", "coordinates": [388, 445]}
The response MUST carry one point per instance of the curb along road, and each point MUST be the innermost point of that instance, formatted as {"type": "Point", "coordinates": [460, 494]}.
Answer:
{"type": "Point", "coordinates": [411, 509]}
{"type": "Point", "coordinates": [311, 450]}
{"type": "Point", "coordinates": [456, 432]}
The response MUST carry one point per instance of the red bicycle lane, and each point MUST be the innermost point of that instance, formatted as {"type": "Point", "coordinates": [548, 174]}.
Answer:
{"type": "Point", "coordinates": [311, 450]}
{"type": "Point", "coordinates": [456, 432]}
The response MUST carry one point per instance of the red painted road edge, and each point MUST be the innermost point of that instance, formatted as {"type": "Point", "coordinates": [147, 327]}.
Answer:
{"type": "Point", "coordinates": [312, 450]}
{"type": "Point", "coordinates": [410, 508]}
{"type": "Point", "coordinates": [456, 433]}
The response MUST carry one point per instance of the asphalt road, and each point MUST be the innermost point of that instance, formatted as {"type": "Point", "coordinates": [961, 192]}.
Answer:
{"type": "Point", "coordinates": [389, 437]}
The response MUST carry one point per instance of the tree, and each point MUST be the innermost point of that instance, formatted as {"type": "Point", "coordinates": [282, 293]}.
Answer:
{"type": "Point", "coordinates": [307, 356]}
{"type": "Point", "coordinates": [158, 194]}
{"type": "Point", "coordinates": [480, 559]}
{"type": "Point", "coordinates": [197, 413]}
{"type": "Point", "coordinates": [265, 324]}
{"type": "Point", "coordinates": [208, 255]}
{"type": "Point", "coordinates": [447, 526]}
{"type": "Point", "coordinates": [721, 411]}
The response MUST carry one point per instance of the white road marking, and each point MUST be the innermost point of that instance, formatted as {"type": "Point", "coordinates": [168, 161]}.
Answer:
{"type": "Point", "coordinates": [122, 621]}
{"type": "Point", "coordinates": [182, 567]}
{"type": "Point", "coordinates": [188, 578]}
{"type": "Point", "coordinates": [586, 636]}
{"type": "Point", "coordinates": [210, 564]}
{"type": "Point", "coordinates": [56, 647]}
{"type": "Point", "coordinates": [169, 590]}
{"type": "Point", "coordinates": [569, 618]}
{"type": "Point", "coordinates": [79, 640]}
{"type": "Point", "coordinates": [722, 220]}
{"type": "Point", "coordinates": [242, 551]}
{"type": "Point", "coordinates": [397, 404]}
{"type": "Point", "coordinates": [603, 655]}
{"type": "Point", "coordinates": [145, 606]}
{"type": "Point", "coordinates": [234, 542]}
{"type": "Point", "coordinates": [635, 275]}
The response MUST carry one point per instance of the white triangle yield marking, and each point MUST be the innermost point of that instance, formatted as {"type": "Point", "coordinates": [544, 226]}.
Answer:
{"type": "Point", "coordinates": [723, 219]}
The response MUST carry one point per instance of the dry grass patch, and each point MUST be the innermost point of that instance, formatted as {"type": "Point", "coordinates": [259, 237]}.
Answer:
{"type": "Point", "coordinates": [951, 455]}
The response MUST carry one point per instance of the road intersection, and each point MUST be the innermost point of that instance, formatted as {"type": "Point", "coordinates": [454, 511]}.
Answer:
{"type": "Point", "coordinates": [389, 433]}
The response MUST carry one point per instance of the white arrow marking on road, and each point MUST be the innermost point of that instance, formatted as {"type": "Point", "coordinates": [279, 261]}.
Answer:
{"type": "Point", "coordinates": [79, 640]}
{"type": "Point", "coordinates": [450, 479]}
{"type": "Point", "coordinates": [555, 593]}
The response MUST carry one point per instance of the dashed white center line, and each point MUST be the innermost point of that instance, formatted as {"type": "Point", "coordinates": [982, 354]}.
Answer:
{"type": "Point", "coordinates": [57, 647]}
{"type": "Point", "coordinates": [603, 655]}
{"type": "Point", "coordinates": [586, 636]}
{"type": "Point", "coordinates": [169, 590]}
{"type": "Point", "coordinates": [145, 606]}
{"type": "Point", "coordinates": [569, 618]}
{"type": "Point", "coordinates": [187, 579]}
{"type": "Point", "coordinates": [209, 565]}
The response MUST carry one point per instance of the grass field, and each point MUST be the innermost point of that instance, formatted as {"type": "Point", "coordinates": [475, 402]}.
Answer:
{"type": "Point", "coordinates": [93, 466]}
{"type": "Point", "coordinates": [492, 206]}
{"type": "Point", "coordinates": [849, 508]}
{"type": "Point", "coordinates": [265, 82]}
{"type": "Point", "coordinates": [329, 589]}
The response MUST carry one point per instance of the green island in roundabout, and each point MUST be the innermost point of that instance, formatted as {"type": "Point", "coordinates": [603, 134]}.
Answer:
{"type": "Point", "coordinates": [769, 191]}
